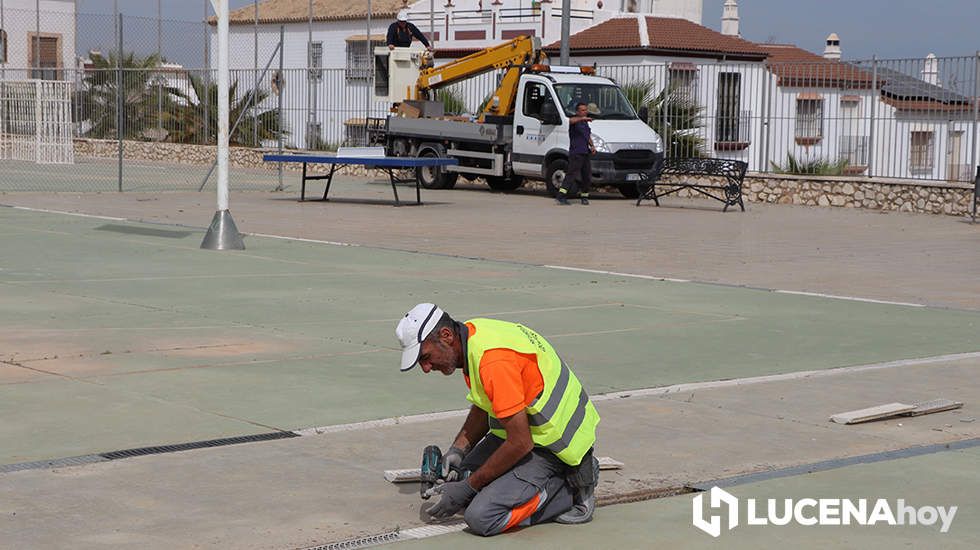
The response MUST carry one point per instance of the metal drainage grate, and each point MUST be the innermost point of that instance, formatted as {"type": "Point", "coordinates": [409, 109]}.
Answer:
{"type": "Point", "coordinates": [363, 542]}
{"type": "Point", "coordinates": [54, 463]}
{"type": "Point", "coordinates": [129, 453]}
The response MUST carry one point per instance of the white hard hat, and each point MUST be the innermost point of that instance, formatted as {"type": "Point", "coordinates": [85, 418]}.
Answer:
{"type": "Point", "coordinates": [403, 15]}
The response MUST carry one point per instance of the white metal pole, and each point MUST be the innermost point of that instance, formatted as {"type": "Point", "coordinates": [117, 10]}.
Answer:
{"type": "Point", "coordinates": [223, 234]}
{"type": "Point", "coordinates": [221, 8]}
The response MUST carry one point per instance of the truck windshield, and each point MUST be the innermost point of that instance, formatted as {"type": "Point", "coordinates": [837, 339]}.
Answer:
{"type": "Point", "coordinates": [604, 101]}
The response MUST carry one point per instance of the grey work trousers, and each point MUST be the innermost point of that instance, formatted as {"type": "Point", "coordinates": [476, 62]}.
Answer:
{"type": "Point", "coordinates": [533, 491]}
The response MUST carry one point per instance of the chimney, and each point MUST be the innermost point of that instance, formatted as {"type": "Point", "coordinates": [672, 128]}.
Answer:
{"type": "Point", "coordinates": [729, 19]}
{"type": "Point", "coordinates": [832, 51]}
{"type": "Point", "coordinates": [930, 73]}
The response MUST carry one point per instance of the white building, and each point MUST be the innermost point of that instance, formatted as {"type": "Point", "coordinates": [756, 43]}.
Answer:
{"type": "Point", "coordinates": [338, 52]}
{"type": "Point", "coordinates": [44, 44]}
{"type": "Point", "coordinates": [721, 74]}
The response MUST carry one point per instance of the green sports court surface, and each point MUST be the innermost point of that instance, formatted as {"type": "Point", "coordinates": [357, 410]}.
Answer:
{"type": "Point", "coordinates": [117, 335]}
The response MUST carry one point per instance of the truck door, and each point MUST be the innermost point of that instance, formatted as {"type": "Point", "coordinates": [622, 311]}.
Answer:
{"type": "Point", "coordinates": [532, 137]}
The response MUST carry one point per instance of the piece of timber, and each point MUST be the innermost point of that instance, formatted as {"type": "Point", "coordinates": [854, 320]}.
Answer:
{"type": "Point", "coordinates": [871, 413]}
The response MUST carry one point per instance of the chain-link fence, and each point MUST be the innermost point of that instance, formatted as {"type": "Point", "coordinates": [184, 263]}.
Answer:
{"type": "Point", "coordinates": [144, 105]}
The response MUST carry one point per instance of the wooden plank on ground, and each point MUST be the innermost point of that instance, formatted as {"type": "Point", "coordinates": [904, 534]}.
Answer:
{"type": "Point", "coordinates": [409, 475]}
{"type": "Point", "coordinates": [871, 413]}
{"type": "Point", "coordinates": [933, 406]}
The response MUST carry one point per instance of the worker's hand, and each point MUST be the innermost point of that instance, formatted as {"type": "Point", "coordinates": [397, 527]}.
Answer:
{"type": "Point", "coordinates": [456, 495]}
{"type": "Point", "coordinates": [451, 462]}
{"type": "Point", "coordinates": [592, 148]}
{"type": "Point", "coordinates": [391, 46]}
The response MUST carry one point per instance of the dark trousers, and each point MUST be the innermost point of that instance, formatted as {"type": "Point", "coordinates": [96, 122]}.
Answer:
{"type": "Point", "coordinates": [579, 176]}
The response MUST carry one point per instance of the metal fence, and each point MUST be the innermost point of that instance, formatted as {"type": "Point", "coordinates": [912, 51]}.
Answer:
{"type": "Point", "coordinates": [141, 84]}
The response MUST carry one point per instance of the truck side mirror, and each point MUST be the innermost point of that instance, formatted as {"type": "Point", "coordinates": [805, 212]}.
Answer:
{"type": "Point", "coordinates": [644, 114]}
{"type": "Point", "coordinates": [549, 114]}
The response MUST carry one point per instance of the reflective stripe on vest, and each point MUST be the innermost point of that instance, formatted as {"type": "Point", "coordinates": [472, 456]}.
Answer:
{"type": "Point", "coordinates": [561, 418]}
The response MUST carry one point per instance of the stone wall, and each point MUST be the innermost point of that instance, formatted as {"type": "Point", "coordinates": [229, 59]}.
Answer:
{"type": "Point", "coordinates": [844, 192]}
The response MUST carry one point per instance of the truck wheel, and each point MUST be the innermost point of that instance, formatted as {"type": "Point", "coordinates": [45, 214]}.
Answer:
{"type": "Point", "coordinates": [555, 175]}
{"type": "Point", "coordinates": [434, 177]}
{"type": "Point", "coordinates": [500, 183]}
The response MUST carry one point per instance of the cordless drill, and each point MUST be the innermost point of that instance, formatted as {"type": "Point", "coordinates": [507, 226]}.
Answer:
{"type": "Point", "coordinates": [431, 470]}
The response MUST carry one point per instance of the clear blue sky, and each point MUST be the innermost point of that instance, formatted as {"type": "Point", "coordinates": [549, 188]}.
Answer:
{"type": "Point", "coordinates": [887, 28]}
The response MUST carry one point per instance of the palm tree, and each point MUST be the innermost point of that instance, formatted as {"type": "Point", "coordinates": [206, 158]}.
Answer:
{"type": "Point", "coordinates": [672, 113]}
{"type": "Point", "coordinates": [101, 90]}
{"type": "Point", "coordinates": [192, 115]}
{"type": "Point", "coordinates": [452, 101]}
{"type": "Point", "coordinates": [812, 166]}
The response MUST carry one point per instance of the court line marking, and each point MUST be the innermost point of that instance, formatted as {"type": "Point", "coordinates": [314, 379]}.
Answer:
{"type": "Point", "coordinates": [76, 214]}
{"type": "Point", "coordinates": [663, 390]}
{"type": "Point", "coordinates": [780, 291]}
{"type": "Point", "coordinates": [617, 273]}
{"type": "Point", "coordinates": [548, 266]}
{"type": "Point", "coordinates": [849, 298]}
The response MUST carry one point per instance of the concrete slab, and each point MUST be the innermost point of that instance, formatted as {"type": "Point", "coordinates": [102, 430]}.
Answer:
{"type": "Point", "coordinates": [932, 480]}
{"type": "Point", "coordinates": [326, 488]}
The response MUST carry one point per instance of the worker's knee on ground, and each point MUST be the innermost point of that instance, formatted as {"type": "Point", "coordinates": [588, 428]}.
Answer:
{"type": "Point", "coordinates": [481, 520]}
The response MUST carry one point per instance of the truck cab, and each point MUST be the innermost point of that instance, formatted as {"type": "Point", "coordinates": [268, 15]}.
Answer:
{"type": "Point", "coordinates": [625, 145]}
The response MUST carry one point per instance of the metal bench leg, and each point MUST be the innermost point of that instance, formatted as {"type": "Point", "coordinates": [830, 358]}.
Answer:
{"type": "Point", "coordinates": [329, 181]}
{"type": "Point", "coordinates": [394, 188]}
{"type": "Point", "coordinates": [302, 192]}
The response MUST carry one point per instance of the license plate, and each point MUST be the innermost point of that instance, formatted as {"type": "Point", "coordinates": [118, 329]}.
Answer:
{"type": "Point", "coordinates": [632, 177]}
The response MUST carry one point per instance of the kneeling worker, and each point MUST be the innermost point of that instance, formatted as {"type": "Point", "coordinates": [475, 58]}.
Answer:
{"type": "Point", "coordinates": [526, 448]}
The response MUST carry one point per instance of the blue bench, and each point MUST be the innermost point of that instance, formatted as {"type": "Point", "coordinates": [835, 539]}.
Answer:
{"type": "Point", "coordinates": [367, 157]}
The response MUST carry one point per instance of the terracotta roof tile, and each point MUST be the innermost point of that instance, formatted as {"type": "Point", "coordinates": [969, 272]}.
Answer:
{"type": "Point", "coordinates": [681, 34]}
{"type": "Point", "coordinates": [623, 33]}
{"type": "Point", "coordinates": [296, 11]}
{"type": "Point", "coordinates": [797, 67]}
{"type": "Point", "coordinates": [665, 34]}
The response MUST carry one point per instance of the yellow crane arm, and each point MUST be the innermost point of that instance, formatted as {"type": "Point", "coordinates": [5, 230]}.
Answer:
{"type": "Point", "coordinates": [511, 55]}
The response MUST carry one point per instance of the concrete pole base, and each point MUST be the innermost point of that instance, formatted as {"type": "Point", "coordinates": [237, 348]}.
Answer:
{"type": "Point", "coordinates": [223, 234]}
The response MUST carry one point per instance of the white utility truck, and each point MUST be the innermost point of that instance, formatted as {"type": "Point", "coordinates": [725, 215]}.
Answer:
{"type": "Point", "coordinates": [523, 130]}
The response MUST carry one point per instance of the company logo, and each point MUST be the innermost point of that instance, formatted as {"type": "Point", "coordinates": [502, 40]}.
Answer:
{"type": "Point", "coordinates": [812, 511]}
{"type": "Point", "coordinates": [718, 497]}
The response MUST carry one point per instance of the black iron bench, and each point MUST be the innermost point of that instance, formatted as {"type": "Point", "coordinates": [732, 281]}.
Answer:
{"type": "Point", "coordinates": [726, 176]}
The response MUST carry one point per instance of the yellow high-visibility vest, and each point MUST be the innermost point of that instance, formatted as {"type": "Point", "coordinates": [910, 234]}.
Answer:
{"type": "Point", "coordinates": [562, 418]}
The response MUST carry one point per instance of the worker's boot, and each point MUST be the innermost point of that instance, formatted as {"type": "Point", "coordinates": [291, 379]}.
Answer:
{"type": "Point", "coordinates": [562, 200]}
{"type": "Point", "coordinates": [583, 480]}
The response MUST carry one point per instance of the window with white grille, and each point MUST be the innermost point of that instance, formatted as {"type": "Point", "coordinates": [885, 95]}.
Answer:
{"type": "Point", "coordinates": [316, 61]}
{"type": "Point", "coordinates": [45, 56]}
{"type": "Point", "coordinates": [922, 151]}
{"type": "Point", "coordinates": [809, 118]}
{"type": "Point", "coordinates": [360, 63]}
{"type": "Point", "coordinates": [854, 149]}
{"type": "Point", "coordinates": [728, 119]}
{"type": "Point", "coordinates": [684, 83]}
